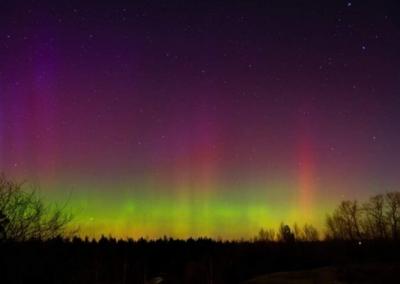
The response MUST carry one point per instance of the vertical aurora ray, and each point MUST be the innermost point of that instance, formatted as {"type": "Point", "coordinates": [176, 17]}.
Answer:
{"type": "Point", "coordinates": [17, 147]}
{"type": "Point", "coordinates": [306, 180]}
{"type": "Point", "coordinates": [306, 164]}
{"type": "Point", "coordinates": [44, 107]}
{"type": "Point", "coordinates": [193, 173]}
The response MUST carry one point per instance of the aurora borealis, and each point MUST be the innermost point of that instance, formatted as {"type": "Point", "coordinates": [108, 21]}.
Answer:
{"type": "Point", "coordinates": [193, 119]}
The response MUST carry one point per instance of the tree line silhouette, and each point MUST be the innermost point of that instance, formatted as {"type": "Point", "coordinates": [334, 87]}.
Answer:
{"type": "Point", "coordinates": [38, 245]}
{"type": "Point", "coordinates": [25, 216]}
{"type": "Point", "coordinates": [307, 233]}
{"type": "Point", "coordinates": [377, 218]}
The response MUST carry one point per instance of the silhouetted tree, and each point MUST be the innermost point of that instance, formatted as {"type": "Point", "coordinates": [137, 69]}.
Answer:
{"type": "Point", "coordinates": [310, 233]}
{"type": "Point", "coordinates": [3, 223]}
{"type": "Point", "coordinates": [286, 234]}
{"type": "Point", "coordinates": [298, 232]}
{"type": "Point", "coordinates": [266, 235]}
{"type": "Point", "coordinates": [25, 216]}
{"type": "Point", "coordinates": [345, 221]}
{"type": "Point", "coordinates": [393, 212]}
{"type": "Point", "coordinates": [375, 223]}
{"type": "Point", "coordinates": [307, 233]}
{"type": "Point", "coordinates": [332, 229]}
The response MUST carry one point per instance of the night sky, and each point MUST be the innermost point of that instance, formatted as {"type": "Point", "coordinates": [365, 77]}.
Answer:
{"type": "Point", "coordinates": [194, 118]}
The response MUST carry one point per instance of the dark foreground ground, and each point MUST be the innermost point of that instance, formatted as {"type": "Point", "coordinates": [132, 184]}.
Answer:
{"type": "Point", "coordinates": [200, 261]}
{"type": "Point", "coordinates": [350, 273]}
